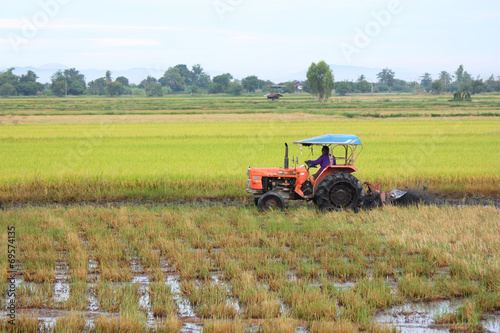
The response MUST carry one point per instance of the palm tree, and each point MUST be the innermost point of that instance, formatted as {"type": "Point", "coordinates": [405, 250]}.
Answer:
{"type": "Point", "coordinates": [386, 77]}
{"type": "Point", "coordinates": [108, 77]}
{"type": "Point", "coordinates": [445, 77]}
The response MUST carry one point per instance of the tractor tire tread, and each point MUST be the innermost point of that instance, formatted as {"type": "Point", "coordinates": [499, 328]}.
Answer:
{"type": "Point", "coordinates": [322, 197]}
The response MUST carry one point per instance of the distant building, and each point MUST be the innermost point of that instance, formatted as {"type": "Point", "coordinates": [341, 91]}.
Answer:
{"type": "Point", "coordinates": [298, 85]}
{"type": "Point", "coordinates": [277, 87]}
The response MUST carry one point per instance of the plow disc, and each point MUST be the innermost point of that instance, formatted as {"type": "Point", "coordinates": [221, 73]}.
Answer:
{"type": "Point", "coordinates": [375, 197]}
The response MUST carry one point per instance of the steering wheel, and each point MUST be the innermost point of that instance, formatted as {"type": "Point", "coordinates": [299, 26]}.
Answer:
{"type": "Point", "coordinates": [309, 165]}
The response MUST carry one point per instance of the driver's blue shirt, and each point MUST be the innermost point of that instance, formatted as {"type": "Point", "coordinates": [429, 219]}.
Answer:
{"type": "Point", "coordinates": [323, 161]}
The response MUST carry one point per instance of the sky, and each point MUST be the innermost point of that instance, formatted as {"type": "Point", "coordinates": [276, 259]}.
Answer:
{"type": "Point", "coordinates": [253, 37]}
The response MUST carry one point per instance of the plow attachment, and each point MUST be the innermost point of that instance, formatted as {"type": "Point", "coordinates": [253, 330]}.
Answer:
{"type": "Point", "coordinates": [375, 197]}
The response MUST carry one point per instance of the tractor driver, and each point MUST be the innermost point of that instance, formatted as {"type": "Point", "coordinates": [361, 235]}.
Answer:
{"type": "Point", "coordinates": [323, 161]}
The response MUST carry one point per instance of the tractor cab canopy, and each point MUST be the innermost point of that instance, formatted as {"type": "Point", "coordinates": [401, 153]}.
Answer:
{"type": "Point", "coordinates": [349, 142]}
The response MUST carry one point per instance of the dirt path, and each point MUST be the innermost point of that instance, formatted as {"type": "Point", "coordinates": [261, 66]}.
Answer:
{"type": "Point", "coordinates": [413, 197]}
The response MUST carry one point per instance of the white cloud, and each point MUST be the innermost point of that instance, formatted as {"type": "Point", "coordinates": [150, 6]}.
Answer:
{"type": "Point", "coordinates": [11, 23]}
{"type": "Point", "coordinates": [101, 54]}
{"type": "Point", "coordinates": [20, 23]}
{"type": "Point", "coordinates": [122, 42]}
{"type": "Point", "coordinates": [114, 27]}
{"type": "Point", "coordinates": [249, 37]}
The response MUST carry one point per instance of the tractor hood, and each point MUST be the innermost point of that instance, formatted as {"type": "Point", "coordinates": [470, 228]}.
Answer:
{"type": "Point", "coordinates": [331, 139]}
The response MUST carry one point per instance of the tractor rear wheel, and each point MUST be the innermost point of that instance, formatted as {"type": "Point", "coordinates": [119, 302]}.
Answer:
{"type": "Point", "coordinates": [339, 190]}
{"type": "Point", "coordinates": [271, 200]}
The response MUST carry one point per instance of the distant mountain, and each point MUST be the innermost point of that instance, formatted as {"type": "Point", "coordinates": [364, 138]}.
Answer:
{"type": "Point", "coordinates": [54, 66]}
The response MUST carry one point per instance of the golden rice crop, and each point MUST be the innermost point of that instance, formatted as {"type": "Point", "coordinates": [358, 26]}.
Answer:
{"type": "Point", "coordinates": [159, 161]}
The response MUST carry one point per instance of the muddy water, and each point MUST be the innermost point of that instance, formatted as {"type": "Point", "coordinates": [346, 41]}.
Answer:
{"type": "Point", "coordinates": [419, 317]}
{"type": "Point", "coordinates": [219, 279]}
{"type": "Point", "coordinates": [61, 286]}
{"type": "Point", "coordinates": [191, 328]}
{"type": "Point", "coordinates": [92, 275]}
{"type": "Point", "coordinates": [144, 300]}
{"type": "Point", "coordinates": [184, 306]}
{"type": "Point", "coordinates": [182, 302]}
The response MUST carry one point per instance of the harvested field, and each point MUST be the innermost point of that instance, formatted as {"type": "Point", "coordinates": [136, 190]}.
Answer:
{"type": "Point", "coordinates": [165, 118]}
{"type": "Point", "coordinates": [234, 267]}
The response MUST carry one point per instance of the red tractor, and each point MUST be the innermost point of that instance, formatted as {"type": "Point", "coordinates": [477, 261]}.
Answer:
{"type": "Point", "coordinates": [334, 188]}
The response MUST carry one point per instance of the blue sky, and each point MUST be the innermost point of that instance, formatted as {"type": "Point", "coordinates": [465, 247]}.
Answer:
{"type": "Point", "coordinates": [247, 37]}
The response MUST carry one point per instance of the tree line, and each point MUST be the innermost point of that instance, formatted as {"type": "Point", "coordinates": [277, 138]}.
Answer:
{"type": "Point", "coordinates": [446, 82]}
{"type": "Point", "coordinates": [181, 79]}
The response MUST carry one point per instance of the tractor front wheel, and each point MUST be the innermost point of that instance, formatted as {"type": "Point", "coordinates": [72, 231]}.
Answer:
{"type": "Point", "coordinates": [339, 190]}
{"type": "Point", "coordinates": [271, 200]}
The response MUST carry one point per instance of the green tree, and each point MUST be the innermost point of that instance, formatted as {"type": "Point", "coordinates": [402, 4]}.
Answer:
{"type": "Point", "coordinates": [148, 81]}
{"type": "Point", "coordinates": [344, 87]}
{"type": "Point", "coordinates": [9, 77]}
{"type": "Point", "coordinates": [30, 88]}
{"type": "Point", "coordinates": [381, 88]}
{"type": "Point", "coordinates": [186, 74]}
{"type": "Point", "coordinates": [320, 80]}
{"type": "Point", "coordinates": [364, 86]}
{"type": "Point", "coordinates": [464, 79]}
{"type": "Point", "coordinates": [445, 77]}
{"type": "Point", "coordinates": [30, 76]}
{"type": "Point", "coordinates": [477, 86]}
{"type": "Point", "coordinates": [155, 90]}
{"type": "Point", "coordinates": [7, 89]}
{"type": "Point", "coordinates": [492, 84]}
{"type": "Point", "coordinates": [220, 83]}
{"type": "Point", "coordinates": [200, 78]}
{"type": "Point", "coordinates": [426, 81]}
{"type": "Point", "coordinates": [27, 84]}
{"type": "Point", "coordinates": [123, 80]}
{"type": "Point", "coordinates": [97, 86]}
{"type": "Point", "coordinates": [173, 79]}
{"type": "Point", "coordinates": [361, 78]}
{"type": "Point", "coordinates": [459, 73]}
{"type": "Point", "coordinates": [234, 88]}
{"type": "Point", "coordinates": [288, 87]}
{"type": "Point", "coordinates": [194, 89]}
{"type": "Point", "coordinates": [437, 86]}
{"type": "Point", "coordinates": [151, 86]}
{"type": "Point", "coordinates": [108, 77]}
{"type": "Point", "coordinates": [386, 76]}
{"type": "Point", "coordinates": [114, 88]}
{"type": "Point", "coordinates": [265, 85]}
{"type": "Point", "coordinates": [250, 83]}
{"type": "Point", "coordinates": [69, 82]}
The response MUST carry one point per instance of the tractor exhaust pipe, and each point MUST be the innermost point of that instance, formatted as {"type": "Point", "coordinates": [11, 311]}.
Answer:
{"type": "Point", "coordinates": [286, 156]}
